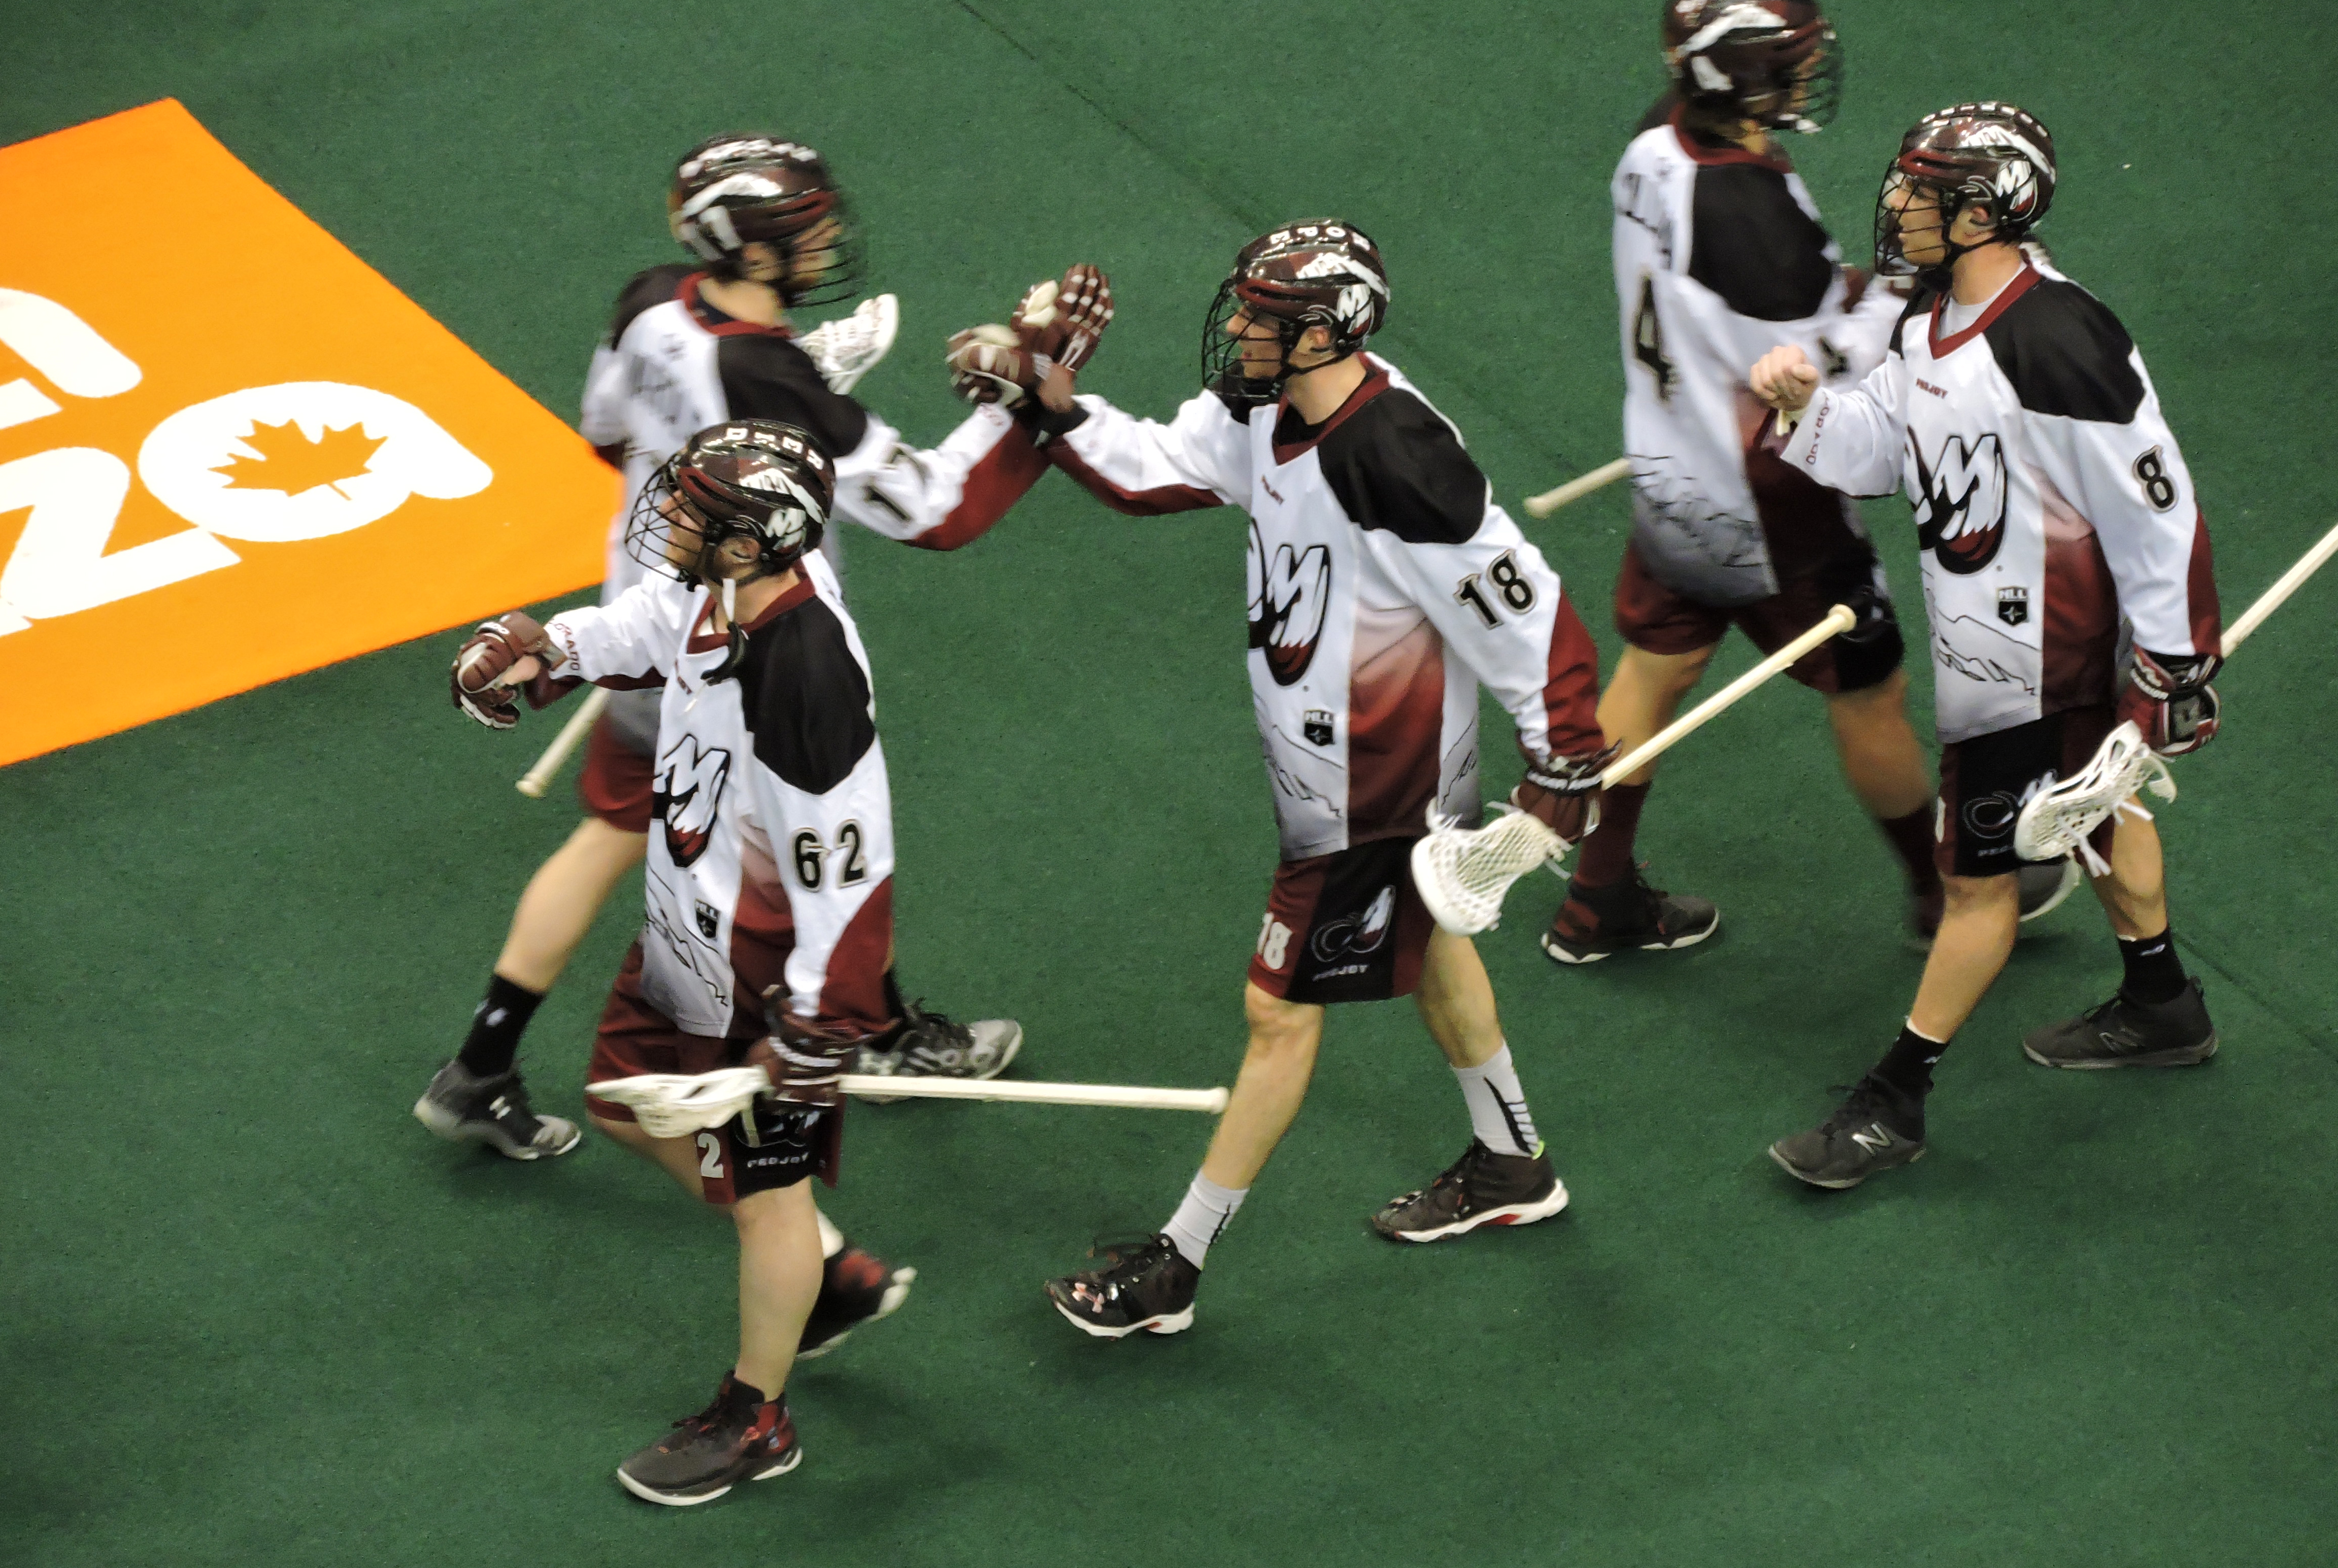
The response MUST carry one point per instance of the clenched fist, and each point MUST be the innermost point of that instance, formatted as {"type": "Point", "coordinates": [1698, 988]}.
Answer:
{"type": "Point", "coordinates": [485, 667]}
{"type": "Point", "coordinates": [1785, 378]}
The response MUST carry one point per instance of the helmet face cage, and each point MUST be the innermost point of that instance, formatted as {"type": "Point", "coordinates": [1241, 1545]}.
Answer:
{"type": "Point", "coordinates": [1323, 273]}
{"type": "Point", "coordinates": [734, 191]}
{"type": "Point", "coordinates": [1993, 156]}
{"type": "Point", "coordinates": [1779, 63]}
{"type": "Point", "coordinates": [756, 479]}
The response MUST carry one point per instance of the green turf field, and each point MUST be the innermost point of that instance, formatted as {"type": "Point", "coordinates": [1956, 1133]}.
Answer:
{"type": "Point", "coordinates": [254, 1315]}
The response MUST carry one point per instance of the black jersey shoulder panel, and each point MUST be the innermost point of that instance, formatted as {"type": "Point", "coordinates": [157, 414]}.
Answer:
{"type": "Point", "coordinates": [1919, 311]}
{"type": "Point", "coordinates": [806, 698]}
{"type": "Point", "coordinates": [1755, 246]}
{"type": "Point", "coordinates": [646, 291]}
{"type": "Point", "coordinates": [2067, 354]}
{"type": "Point", "coordinates": [1394, 465]}
{"type": "Point", "coordinates": [766, 376]}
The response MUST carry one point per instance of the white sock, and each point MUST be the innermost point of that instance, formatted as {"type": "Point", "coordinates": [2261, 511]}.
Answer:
{"type": "Point", "coordinates": [832, 1240]}
{"type": "Point", "coordinates": [1497, 1105]}
{"type": "Point", "coordinates": [1201, 1217]}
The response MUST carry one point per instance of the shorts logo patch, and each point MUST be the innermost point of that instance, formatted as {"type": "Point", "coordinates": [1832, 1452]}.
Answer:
{"type": "Point", "coordinates": [1991, 816]}
{"type": "Point", "coordinates": [1317, 727]}
{"type": "Point", "coordinates": [1355, 935]}
{"type": "Point", "coordinates": [2013, 605]}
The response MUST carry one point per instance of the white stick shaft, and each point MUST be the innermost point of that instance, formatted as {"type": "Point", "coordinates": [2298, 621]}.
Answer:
{"type": "Point", "coordinates": [2289, 583]}
{"type": "Point", "coordinates": [1838, 620]}
{"type": "Point", "coordinates": [1576, 489]}
{"type": "Point", "coordinates": [1210, 1101]}
{"type": "Point", "coordinates": [533, 782]}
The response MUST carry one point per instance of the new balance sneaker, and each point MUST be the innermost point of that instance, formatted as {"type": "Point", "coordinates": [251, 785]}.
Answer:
{"type": "Point", "coordinates": [2124, 1033]}
{"type": "Point", "coordinates": [849, 347]}
{"type": "Point", "coordinates": [1595, 922]}
{"type": "Point", "coordinates": [464, 1109]}
{"type": "Point", "coordinates": [1144, 1285]}
{"type": "Point", "coordinates": [741, 1436]}
{"type": "Point", "coordinates": [855, 1287]}
{"type": "Point", "coordinates": [1481, 1188]}
{"type": "Point", "coordinates": [2043, 886]}
{"type": "Point", "coordinates": [936, 1045]}
{"type": "Point", "coordinates": [1875, 1128]}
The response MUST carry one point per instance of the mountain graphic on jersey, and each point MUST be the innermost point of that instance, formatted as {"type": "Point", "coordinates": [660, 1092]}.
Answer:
{"type": "Point", "coordinates": [688, 791]}
{"type": "Point", "coordinates": [1289, 597]}
{"type": "Point", "coordinates": [1978, 651]}
{"type": "Point", "coordinates": [1961, 509]}
{"type": "Point", "coordinates": [1354, 935]}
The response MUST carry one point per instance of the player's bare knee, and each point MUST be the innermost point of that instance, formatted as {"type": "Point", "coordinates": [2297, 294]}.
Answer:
{"type": "Point", "coordinates": [1278, 1028]}
{"type": "Point", "coordinates": [1982, 895]}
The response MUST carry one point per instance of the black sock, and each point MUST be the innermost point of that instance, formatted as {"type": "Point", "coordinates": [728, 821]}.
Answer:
{"type": "Point", "coordinates": [2154, 973]}
{"type": "Point", "coordinates": [1907, 1065]}
{"type": "Point", "coordinates": [495, 1027]}
{"type": "Point", "coordinates": [893, 1010]}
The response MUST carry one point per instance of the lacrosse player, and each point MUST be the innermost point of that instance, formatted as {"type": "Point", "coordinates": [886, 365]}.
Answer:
{"type": "Point", "coordinates": [1719, 253]}
{"type": "Point", "coordinates": [1384, 585]}
{"type": "Point", "coordinates": [769, 881]}
{"type": "Point", "coordinates": [2067, 579]}
{"type": "Point", "coordinates": [692, 346]}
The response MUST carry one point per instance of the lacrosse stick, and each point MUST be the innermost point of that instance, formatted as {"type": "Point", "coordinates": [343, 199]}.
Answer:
{"type": "Point", "coordinates": [1463, 873]}
{"type": "Point", "coordinates": [533, 782]}
{"type": "Point", "coordinates": [1576, 489]}
{"type": "Point", "coordinates": [2055, 822]}
{"type": "Point", "coordinates": [673, 1105]}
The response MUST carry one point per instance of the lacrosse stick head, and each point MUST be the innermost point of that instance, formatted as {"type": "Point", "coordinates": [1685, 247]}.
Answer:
{"type": "Point", "coordinates": [2055, 822]}
{"type": "Point", "coordinates": [1463, 873]}
{"type": "Point", "coordinates": [676, 1104]}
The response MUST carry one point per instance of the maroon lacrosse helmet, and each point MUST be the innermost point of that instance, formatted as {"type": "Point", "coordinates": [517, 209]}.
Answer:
{"type": "Point", "coordinates": [1993, 156]}
{"type": "Point", "coordinates": [1776, 62]}
{"type": "Point", "coordinates": [1322, 273]}
{"type": "Point", "coordinates": [741, 187]}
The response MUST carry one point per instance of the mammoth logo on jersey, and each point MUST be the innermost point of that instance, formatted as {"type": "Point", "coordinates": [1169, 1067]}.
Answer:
{"type": "Point", "coordinates": [1959, 501]}
{"type": "Point", "coordinates": [688, 791]}
{"type": "Point", "coordinates": [1289, 594]}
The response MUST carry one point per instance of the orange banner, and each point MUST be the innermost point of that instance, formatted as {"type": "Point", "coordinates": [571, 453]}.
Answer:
{"type": "Point", "coordinates": [229, 451]}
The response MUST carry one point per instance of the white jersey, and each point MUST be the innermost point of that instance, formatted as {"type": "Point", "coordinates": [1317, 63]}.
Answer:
{"type": "Point", "coordinates": [1384, 585]}
{"type": "Point", "coordinates": [2051, 502]}
{"type": "Point", "coordinates": [1719, 256]}
{"type": "Point", "coordinates": [771, 853]}
{"type": "Point", "coordinates": [672, 365]}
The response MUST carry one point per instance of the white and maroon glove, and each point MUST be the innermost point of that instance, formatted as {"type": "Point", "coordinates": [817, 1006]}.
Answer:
{"type": "Point", "coordinates": [1563, 793]}
{"type": "Point", "coordinates": [804, 1058]}
{"type": "Point", "coordinates": [2170, 699]}
{"type": "Point", "coordinates": [1054, 330]}
{"type": "Point", "coordinates": [477, 678]}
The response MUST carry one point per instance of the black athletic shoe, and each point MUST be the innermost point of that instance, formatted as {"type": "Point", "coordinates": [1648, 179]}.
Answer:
{"type": "Point", "coordinates": [1875, 1128]}
{"type": "Point", "coordinates": [739, 1437]}
{"type": "Point", "coordinates": [936, 1045]}
{"type": "Point", "coordinates": [855, 1287]}
{"type": "Point", "coordinates": [1595, 922]}
{"type": "Point", "coordinates": [2124, 1033]}
{"type": "Point", "coordinates": [1481, 1188]}
{"type": "Point", "coordinates": [1143, 1284]}
{"type": "Point", "coordinates": [465, 1109]}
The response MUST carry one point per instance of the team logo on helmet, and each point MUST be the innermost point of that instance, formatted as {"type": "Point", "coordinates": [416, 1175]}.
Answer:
{"type": "Point", "coordinates": [1959, 501]}
{"type": "Point", "coordinates": [688, 791]}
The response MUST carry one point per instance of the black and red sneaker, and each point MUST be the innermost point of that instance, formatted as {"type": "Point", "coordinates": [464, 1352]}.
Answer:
{"type": "Point", "coordinates": [741, 1436]}
{"type": "Point", "coordinates": [1140, 1284]}
{"type": "Point", "coordinates": [855, 1287]}
{"type": "Point", "coordinates": [1595, 922]}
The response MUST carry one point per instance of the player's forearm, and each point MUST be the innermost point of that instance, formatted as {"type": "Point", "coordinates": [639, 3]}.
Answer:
{"type": "Point", "coordinates": [1137, 468]}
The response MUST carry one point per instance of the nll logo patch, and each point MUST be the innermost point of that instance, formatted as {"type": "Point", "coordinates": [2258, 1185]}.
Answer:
{"type": "Point", "coordinates": [1317, 727]}
{"type": "Point", "coordinates": [2013, 605]}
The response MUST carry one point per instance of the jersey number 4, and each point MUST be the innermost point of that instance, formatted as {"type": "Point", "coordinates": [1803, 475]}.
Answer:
{"type": "Point", "coordinates": [1648, 342]}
